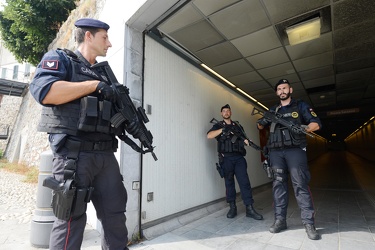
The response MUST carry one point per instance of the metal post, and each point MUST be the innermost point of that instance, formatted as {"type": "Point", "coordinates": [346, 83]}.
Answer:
{"type": "Point", "coordinates": [43, 217]}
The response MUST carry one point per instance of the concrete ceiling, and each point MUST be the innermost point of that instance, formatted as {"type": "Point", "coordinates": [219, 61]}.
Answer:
{"type": "Point", "coordinates": [245, 42]}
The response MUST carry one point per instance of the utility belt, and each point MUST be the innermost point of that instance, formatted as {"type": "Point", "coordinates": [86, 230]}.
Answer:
{"type": "Point", "coordinates": [70, 200]}
{"type": "Point", "coordinates": [98, 145]}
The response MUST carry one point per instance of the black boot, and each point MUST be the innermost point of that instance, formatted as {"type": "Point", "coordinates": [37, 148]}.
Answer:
{"type": "Point", "coordinates": [232, 210]}
{"type": "Point", "coordinates": [278, 226]}
{"type": "Point", "coordinates": [311, 232]}
{"type": "Point", "coordinates": [250, 212]}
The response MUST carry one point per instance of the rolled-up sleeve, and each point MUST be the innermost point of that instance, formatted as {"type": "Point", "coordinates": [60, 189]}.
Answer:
{"type": "Point", "coordinates": [52, 68]}
{"type": "Point", "coordinates": [309, 114]}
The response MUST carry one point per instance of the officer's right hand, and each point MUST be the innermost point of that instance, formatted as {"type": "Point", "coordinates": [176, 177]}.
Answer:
{"type": "Point", "coordinates": [105, 91]}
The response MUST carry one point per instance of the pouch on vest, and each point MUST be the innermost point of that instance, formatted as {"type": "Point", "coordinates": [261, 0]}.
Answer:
{"type": "Point", "coordinates": [88, 114]}
{"type": "Point", "coordinates": [104, 117]}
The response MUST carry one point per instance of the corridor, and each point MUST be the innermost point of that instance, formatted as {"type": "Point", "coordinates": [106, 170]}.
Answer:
{"type": "Point", "coordinates": [343, 188]}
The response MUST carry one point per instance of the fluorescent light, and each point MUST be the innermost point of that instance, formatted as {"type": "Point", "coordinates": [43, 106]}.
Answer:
{"type": "Point", "coordinates": [218, 75]}
{"type": "Point", "coordinates": [304, 31]}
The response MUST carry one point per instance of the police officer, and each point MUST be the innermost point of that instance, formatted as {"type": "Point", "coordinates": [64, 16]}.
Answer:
{"type": "Point", "coordinates": [287, 156]}
{"type": "Point", "coordinates": [231, 158]}
{"type": "Point", "coordinates": [76, 109]}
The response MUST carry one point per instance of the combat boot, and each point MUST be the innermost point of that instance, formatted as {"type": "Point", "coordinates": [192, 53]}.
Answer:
{"type": "Point", "coordinates": [278, 226]}
{"type": "Point", "coordinates": [311, 232]}
{"type": "Point", "coordinates": [232, 210]}
{"type": "Point", "coordinates": [250, 212]}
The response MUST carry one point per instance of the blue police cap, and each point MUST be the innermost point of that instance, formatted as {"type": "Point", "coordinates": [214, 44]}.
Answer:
{"type": "Point", "coordinates": [281, 81]}
{"type": "Point", "coordinates": [91, 23]}
{"type": "Point", "coordinates": [226, 106]}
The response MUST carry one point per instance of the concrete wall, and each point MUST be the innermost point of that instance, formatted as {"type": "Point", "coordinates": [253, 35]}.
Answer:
{"type": "Point", "coordinates": [362, 141]}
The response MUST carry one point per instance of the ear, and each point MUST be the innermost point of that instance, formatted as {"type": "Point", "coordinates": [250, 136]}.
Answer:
{"type": "Point", "coordinates": [88, 35]}
{"type": "Point", "coordinates": [291, 90]}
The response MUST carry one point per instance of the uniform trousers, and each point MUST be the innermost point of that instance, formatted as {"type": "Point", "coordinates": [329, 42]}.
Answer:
{"type": "Point", "coordinates": [293, 162]}
{"type": "Point", "coordinates": [100, 170]}
{"type": "Point", "coordinates": [237, 166]}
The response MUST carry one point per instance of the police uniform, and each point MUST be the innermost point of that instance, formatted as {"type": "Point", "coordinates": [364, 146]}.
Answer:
{"type": "Point", "coordinates": [83, 145]}
{"type": "Point", "coordinates": [231, 151]}
{"type": "Point", "coordinates": [287, 156]}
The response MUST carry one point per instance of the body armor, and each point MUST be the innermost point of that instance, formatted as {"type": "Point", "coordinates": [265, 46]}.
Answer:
{"type": "Point", "coordinates": [87, 114]}
{"type": "Point", "coordinates": [227, 145]}
{"type": "Point", "coordinates": [281, 136]}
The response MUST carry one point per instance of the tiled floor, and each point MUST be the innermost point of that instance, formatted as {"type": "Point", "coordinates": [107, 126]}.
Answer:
{"type": "Point", "coordinates": [343, 188]}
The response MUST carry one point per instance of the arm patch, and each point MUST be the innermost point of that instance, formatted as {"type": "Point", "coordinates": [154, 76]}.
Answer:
{"type": "Point", "coordinates": [50, 64]}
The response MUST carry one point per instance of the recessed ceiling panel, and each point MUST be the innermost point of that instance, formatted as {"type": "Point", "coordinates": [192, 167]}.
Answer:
{"type": "Point", "coordinates": [233, 68]}
{"type": "Point", "coordinates": [257, 42]}
{"type": "Point", "coordinates": [246, 78]}
{"type": "Point", "coordinates": [313, 47]}
{"type": "Point", "coordinates": [247, 16]}
{"type": "Point", "coordinates": [316, 73]}
{"type": "Point", "coordinates": [211, 6]}
{"type": "Point", "coordinates": [328, 80]}
{"type": "Point", "coordinates": [278, 70]}
{"type": "Point", "coordinates": [182, 18]}
{"type": "Point", "coordinates": [350, 12]}
{"type": "Point", "coordinates": [284, 9]}
{"type": "Point", "coordinates": [254, 86]}
{"type": "Point", "coordinates": [197, 36]}
{"type": "Point", "coordinates": [312, 62]}
{"type": "Point", "coordinates": [218, 54]}
{"type": "Point", "coordinates": [354, 34]}
{"type": "Point", "coordinates": [364, 74]}
{"type": "Point", "coordinates": [362, 63]}
{"type": "Point", "coordinates": [268, 58]}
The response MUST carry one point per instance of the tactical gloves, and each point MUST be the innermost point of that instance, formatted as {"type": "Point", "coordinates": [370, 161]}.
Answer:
{"type": "Point", "coordinates": [105, 92]}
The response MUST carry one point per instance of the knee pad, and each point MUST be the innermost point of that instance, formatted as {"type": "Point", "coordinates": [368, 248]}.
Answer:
{"type": "Point", "coordinates": [280, 175]}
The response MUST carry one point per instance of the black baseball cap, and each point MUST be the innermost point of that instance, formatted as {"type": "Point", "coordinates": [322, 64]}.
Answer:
{"type": "Point", "coordinates": [226, 106]}
{"type": "Point", "coordinates": [91, 23]}
{"type": "Point", "coordinates": [281, 81]}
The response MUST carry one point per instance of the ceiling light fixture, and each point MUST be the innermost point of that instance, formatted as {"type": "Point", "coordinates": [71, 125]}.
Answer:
{"type": "Point", "coordinates": [304, 31]}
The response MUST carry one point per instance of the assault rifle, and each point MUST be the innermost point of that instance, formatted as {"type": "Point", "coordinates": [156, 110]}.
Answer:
{"type": "Point", "coordinates": [237, 134]}
{"type": "Point", "coordinates": [134, 119]}
{"type": "Point", "coordinates": [274, 117]}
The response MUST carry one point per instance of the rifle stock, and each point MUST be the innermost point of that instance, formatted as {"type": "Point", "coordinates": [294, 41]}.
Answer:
{"type": "Point", "coordinates": [133, 118]}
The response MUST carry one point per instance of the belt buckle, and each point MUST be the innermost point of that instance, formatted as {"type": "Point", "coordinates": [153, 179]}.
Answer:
{"type": "Point", "coordinates": [97, 145]}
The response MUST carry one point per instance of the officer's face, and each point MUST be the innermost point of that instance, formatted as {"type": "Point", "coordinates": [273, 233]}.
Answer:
{"type": "Point", "coordinates": [284, 91]}
{"type": "Point", "coordinates": [100, 42]}
{"type": "Point", "coordinates": [226, 113]}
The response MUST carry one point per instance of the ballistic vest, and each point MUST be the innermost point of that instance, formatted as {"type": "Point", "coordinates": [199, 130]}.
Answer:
{"type": "Point", "coordinates": [228, 144]}
{"type": "Point", "coordinates": [87, 114]}
{"type": "Point", "coordinates": [281, 136]}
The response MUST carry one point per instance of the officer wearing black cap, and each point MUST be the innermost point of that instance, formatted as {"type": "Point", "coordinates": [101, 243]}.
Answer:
{"type": "Point", "coordinates": [231, 153]}
{"type": "Point", "coordinates": [287, 156]}
{"type": "Point", "coordinates": [76, 106]}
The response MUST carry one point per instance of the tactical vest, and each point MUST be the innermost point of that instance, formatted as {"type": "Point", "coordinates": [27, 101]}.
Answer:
{"type": "Point", "coordinates": [226, 144]}
{"type": "Point", "coordinates": [87, 114]}
{"type": "Point", "coordinates": [281, 136]}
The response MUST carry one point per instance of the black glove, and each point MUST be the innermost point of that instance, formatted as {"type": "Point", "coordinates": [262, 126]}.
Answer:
{"type": "Point", "coordinates": [263, 121]}
{"type": "Point", "coordinates": [226, 130]}
{"type": "Point", "coordinates": [105, 92]}
{"type": "Point", "coordinates": [296, 131]}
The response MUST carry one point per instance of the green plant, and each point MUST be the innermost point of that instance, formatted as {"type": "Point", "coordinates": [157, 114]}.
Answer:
{"type": "Point", "coordinates": [30, 173]}
{"type": "Point", "coordinates": [28, 27]}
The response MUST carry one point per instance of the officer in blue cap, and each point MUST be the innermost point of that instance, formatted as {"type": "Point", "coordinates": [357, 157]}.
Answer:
{"type": "Point", "coordinates": [76, 104]}
{"type": "Point", "coordinates": [231, 152]}
{"type": "Point", "coordinates": [287, 157]}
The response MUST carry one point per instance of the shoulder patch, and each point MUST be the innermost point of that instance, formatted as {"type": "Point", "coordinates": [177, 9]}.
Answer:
{"type": "Point", "coordinates": [50, 64]}
{"type": "Point", "coordinates": [295, 115]}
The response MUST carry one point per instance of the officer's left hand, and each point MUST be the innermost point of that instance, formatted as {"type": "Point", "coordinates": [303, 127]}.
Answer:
{"type": "Point", "coordinates": [105, 91]}
{"type": "Point", "coordinates": [246, 142]}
